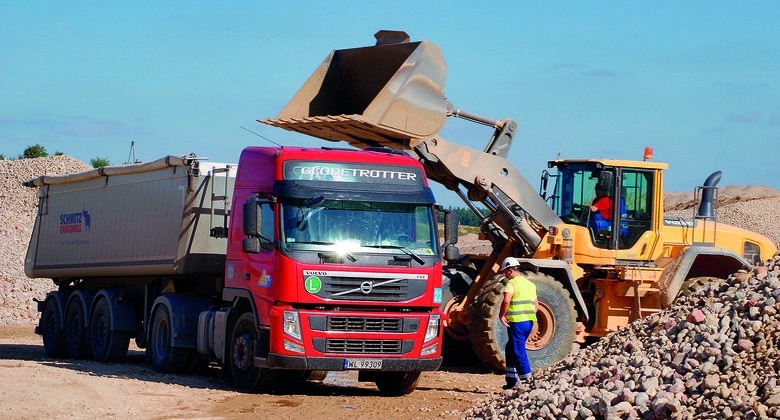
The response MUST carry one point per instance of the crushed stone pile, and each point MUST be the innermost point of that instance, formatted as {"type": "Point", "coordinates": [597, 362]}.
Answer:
{"type": "Point", "coordinates": [713, 354]}
{"type": "Point", "coordinates": [17, 212]}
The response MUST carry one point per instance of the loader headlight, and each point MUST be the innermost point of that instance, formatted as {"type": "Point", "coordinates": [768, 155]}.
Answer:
{"type": "Point", "coordinates": [292, 325]}
{"type": "Point", "coordinates": [433, 328]}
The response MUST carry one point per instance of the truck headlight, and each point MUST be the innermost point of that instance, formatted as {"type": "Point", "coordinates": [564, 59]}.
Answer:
{"type": "Point", "coordinates": [433, 328]}
{"type": "Point", "coordinates": [292, 325]}
{"type": "Point", "coordinates": [432, 349]}
{"type": "Point", "coordinates": [292, 347]}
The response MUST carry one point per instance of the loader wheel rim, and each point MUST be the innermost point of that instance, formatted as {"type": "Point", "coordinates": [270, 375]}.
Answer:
{"type": "Point", "coordinates": [543, 330]}
{"type": "Point", "coordinates": [454, 328]}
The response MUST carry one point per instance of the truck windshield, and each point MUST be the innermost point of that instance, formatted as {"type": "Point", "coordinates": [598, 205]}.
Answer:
{"type": "Point", "coordinates": [358, 226]}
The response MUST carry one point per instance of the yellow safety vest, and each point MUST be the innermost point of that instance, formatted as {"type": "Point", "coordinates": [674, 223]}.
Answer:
{"type": "Point", "coordinates": [523, 304]}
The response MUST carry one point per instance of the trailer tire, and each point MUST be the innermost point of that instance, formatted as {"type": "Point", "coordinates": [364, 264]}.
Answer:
{"type": "Point", "coordinates": [553, 334]}
{"type": "Point", "coordinates": [51, 331]}
{"type": "Point", "coordinates": [397, 383]}
{"type": "Point", "coordinates": [76, 331]}
{"type": "Point", "coordinates": [164, 357]}
{"type": "Point", "coordinates": [245, 336]}
{"type": "Point", "coordinates": [107, 345]}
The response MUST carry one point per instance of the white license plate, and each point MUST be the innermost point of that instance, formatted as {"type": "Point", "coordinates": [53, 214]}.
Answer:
{"type": "Point", "coordinates": [362, 364]}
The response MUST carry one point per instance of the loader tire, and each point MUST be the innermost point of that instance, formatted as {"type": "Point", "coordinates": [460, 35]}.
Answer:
{"type": "Point", "coordinates": [694, 284]}
{"type": "Point", "coordinates": [553, 334]}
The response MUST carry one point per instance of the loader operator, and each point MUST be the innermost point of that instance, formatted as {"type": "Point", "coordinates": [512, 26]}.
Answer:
{"type": "Point", "coordinates": [600, 211]}
{"type": "Point", "coordinates": [518, 314]}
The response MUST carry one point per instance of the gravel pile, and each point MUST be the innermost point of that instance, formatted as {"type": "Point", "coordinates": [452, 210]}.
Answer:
{"type": "Point", "coordinates": [713, 354]}
{"type": "Point", "coordinates": [17, 212]}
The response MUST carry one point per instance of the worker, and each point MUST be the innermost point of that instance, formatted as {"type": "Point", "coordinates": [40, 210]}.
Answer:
{"type": "Point", "coordinates": [518, 314]}
{"type": "Point", "coordinates": [600, 211]}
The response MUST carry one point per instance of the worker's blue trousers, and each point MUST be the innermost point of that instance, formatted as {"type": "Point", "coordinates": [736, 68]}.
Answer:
{"type": "Point", "coordinates": [517, 364]}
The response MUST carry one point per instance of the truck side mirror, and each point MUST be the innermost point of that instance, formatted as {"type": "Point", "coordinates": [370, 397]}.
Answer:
{"type": "Point", "coordinates": [251, 245]}
{"type": "Point", "coordinates": [451, 222]}
{"type": "Point", "coordinates": [252, 218]}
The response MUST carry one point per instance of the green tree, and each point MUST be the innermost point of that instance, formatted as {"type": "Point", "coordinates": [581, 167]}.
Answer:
{"type": "Point", "coordinates": [99, 162]}
{"type": "Point", "coordinates": [2, 156]}
{"type": "Point", "coordinates": [34, 151]}
{"type": "Point", "coordinates": [58, 153]}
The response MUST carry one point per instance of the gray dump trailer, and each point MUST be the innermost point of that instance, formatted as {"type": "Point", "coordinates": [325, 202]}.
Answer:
{"type": "Point", "coordinates": [167, 217]}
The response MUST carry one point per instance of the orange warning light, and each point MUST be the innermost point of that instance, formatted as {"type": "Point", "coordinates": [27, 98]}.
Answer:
{"type": "Point", "coordinates": [648, 152]}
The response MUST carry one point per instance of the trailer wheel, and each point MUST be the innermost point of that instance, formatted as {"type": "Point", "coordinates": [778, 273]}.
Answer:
{"type": "Point", "coordinates": [76, 332]}
{"type": "Point", "coordinates": [107, 345]}
{"type": "Point", "coordinates": [553, 333]}
{"type": "Point", "coordinates": [246, 376]}
{"type": "Point", "coordinates": [397, 383]}
{"type": "Point", "coordinates": [164, 357]}
{"type": "Point", "coordinates": [52, 334]}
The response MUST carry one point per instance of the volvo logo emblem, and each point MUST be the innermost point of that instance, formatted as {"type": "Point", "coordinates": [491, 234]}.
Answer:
{"type": "Point", "coordinates": [366, 287]}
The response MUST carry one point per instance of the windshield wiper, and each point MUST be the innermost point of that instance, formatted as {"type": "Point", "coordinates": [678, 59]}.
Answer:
{"type": "Point", "coordinates": [350, 256]}
{"type": "Point", "coordinates": [403, 249]}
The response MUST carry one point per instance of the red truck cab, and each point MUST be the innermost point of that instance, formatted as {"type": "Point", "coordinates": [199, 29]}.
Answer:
{"type": "Point", "coordinates": [333, 263]}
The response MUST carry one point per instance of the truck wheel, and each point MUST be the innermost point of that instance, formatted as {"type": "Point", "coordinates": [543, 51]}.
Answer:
{"type": "Point", "coordinates": [553, 333]}
{"type": "Point", "coordinates": [51, 332]}
{"type": "Point", "coordinates": [76, 334]}
{"type": "Point", "coordinates": [107, 345]}
{"type": "Point", "coordinates": [397, 383]}
{"type": "Point", "coordinates": [456, 347]}
{"type": "Point", "coordinates": [164, 357]}
{"type": "Point", "coordinates": [246, 376]}
{"type": "Point", "coordinates": [316, 375]}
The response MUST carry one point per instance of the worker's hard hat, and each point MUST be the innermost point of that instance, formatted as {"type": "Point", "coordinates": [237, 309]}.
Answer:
{"type": "Point", "coordinates": [510, 262]}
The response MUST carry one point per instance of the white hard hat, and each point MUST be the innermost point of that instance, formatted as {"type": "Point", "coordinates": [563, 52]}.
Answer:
{"type": "Point", "coordinates": [510, 262]}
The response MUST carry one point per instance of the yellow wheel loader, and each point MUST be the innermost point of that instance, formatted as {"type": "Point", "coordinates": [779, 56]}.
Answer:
{"type": "Point", "coordinates": [592, 276]}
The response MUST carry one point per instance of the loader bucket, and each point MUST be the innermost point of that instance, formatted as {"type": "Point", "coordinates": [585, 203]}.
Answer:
{"type": "Point", "coordinates": [385, 95]}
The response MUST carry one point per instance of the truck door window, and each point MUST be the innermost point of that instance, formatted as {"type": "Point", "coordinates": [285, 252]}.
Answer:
{"type": "Point", "coordinates": [267, 225]}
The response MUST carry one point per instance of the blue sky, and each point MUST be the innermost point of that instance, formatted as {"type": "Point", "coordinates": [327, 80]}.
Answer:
{"type": "Point", "coordinates": [698, 81]}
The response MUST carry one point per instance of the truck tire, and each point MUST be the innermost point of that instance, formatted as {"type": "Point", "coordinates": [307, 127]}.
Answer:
{"type": "Point", "coordinates": [76, 331]}
{"type": "Point", "coordinates": [553, 333]}
{"type": "Point", "coordinates": [51, 332]}
{"type": "Point", "coordinates": [246, 376]}
{"type": "Point", "coordinates": [456, 347]}
{"type": "Point", "coordinates": [397, 383]}
{"type": "Point", "coordinates": [164, 357]}
{"type": "Point", "coordinates": [107, 345]}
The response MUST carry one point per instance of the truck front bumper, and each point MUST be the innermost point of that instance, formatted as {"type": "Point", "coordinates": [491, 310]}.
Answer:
{"type": "Point", "coordinates": [279, 361]}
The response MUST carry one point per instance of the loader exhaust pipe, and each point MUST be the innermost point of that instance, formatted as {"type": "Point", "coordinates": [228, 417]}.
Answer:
{"type": "Point", "coordinates": [708, 191]}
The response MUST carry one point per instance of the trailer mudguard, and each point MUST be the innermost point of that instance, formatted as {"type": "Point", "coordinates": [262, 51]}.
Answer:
{"type": "Point", "coordinates": [120, 310]}
{"type": "Point", "coordinates": [185, 311]}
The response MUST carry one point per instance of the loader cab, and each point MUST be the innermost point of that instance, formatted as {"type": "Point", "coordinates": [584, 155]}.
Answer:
{"type": "Point", "coordinates": [612, 199]}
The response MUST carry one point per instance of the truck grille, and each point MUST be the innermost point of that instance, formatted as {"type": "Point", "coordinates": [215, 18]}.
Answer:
{"type": "Point", "coordinates": [363, 346]}
{"type": "Point", "coordinates": [339, 323]}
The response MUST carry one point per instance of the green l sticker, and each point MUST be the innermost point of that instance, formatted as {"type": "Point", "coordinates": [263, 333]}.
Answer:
{"type": "Point", "coordinates": [312, 284]}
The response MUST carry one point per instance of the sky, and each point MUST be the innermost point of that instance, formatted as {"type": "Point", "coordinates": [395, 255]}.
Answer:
{"type": "Point", "coordinates": [698, 81]}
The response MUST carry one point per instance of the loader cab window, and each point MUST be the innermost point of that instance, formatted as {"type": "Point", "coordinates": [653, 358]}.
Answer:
{"type": "Point", "coordinates": [615, 213]}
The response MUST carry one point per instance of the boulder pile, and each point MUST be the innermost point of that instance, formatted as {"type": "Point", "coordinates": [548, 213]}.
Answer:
{"type": "Point", "coordinates": [713, 354]}
{"type": "Point", "coordinates": [17, 212]}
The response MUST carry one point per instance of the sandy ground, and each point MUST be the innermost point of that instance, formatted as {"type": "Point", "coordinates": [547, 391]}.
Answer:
{"type": "Point", "coordinates": [34, 386]}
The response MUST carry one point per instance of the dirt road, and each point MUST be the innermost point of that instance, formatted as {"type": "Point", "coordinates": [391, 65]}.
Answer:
{"type": "Point", "coordinates": [34, 386]}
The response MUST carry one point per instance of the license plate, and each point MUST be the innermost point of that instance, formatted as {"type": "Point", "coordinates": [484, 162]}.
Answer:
{"type": "Point", "coordinates": [362, 364]}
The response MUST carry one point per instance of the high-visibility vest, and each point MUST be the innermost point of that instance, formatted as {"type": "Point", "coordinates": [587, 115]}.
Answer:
{"type": "Point", "coordinates": [523, 304]}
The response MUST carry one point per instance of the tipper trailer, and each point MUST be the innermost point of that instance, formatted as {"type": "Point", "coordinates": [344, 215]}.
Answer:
{"type": "Point", "coordinates": [295, 262]}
